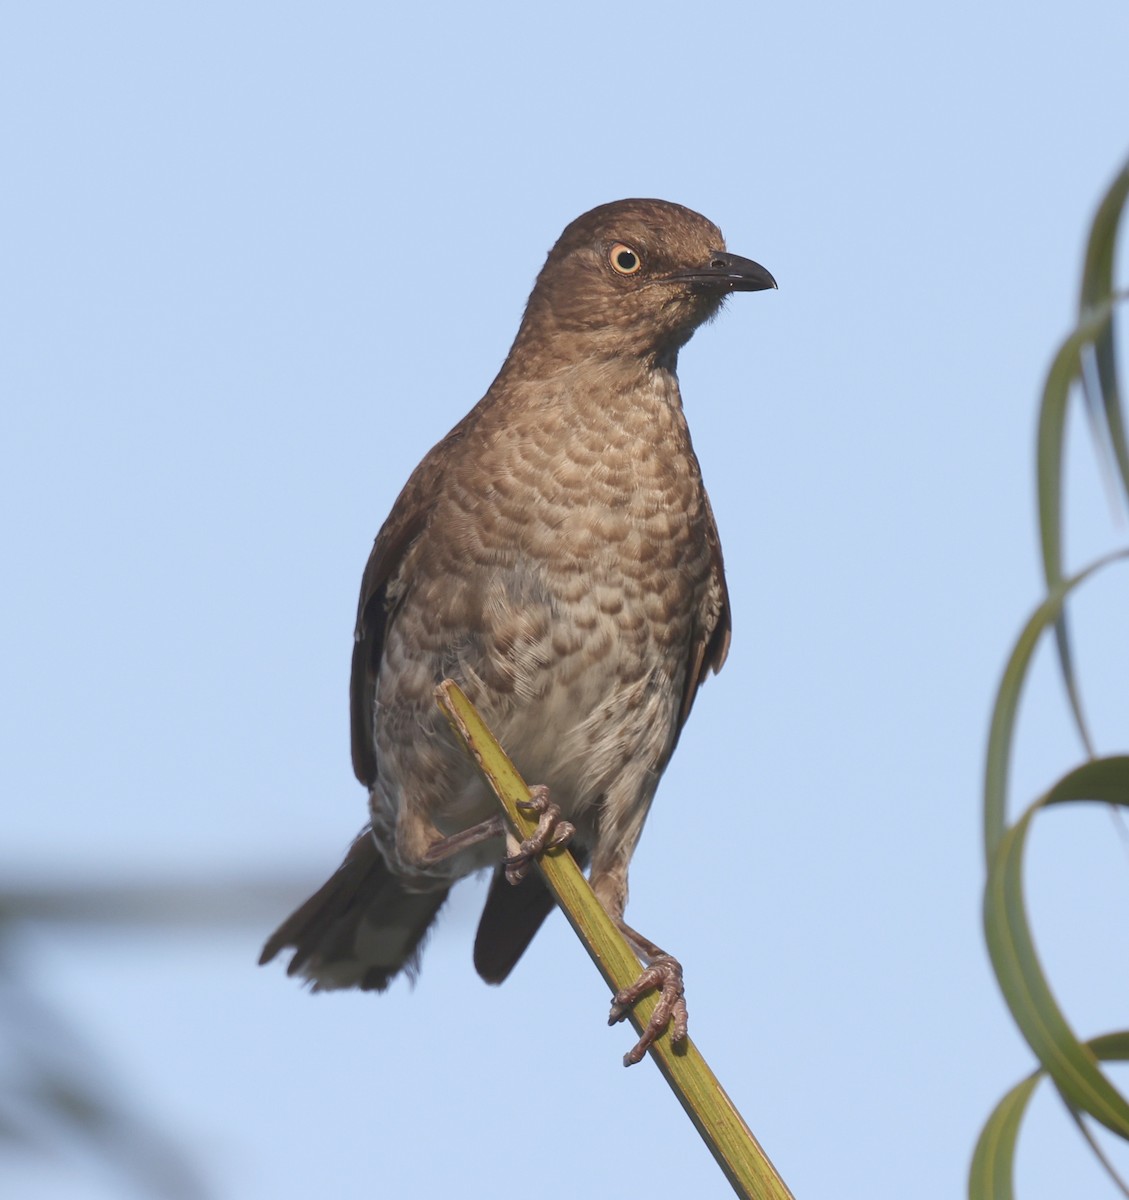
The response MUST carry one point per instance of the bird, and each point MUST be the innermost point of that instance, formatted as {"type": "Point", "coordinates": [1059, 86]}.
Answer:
{"type": "Point", "coordinates": [557, 557]}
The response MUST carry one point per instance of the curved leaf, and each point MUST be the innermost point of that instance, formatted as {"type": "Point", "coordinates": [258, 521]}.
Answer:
{"type": "Point", "coordinates": [1066, 367]}
{"type": "Point", "coordinates": [1002, 730]}
{"type": "Point", "coordinates": [993, 1163]}
{"type": "Point", "coordinates": [1087, 355]}
{"type": "Point", "coordinates": [1071, 1064]}
{"type": "Point", "coordinates": [1097, 286]}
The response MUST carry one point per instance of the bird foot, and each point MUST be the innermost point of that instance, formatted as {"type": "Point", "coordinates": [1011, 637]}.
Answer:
{"type": "Point", "coordinates": [664, 973]}
{"type": "Point", "coordinates": [552, 831]}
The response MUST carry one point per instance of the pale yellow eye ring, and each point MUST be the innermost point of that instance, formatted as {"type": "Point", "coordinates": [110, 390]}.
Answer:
{"type": "Point", "coordinates": [625, 260]}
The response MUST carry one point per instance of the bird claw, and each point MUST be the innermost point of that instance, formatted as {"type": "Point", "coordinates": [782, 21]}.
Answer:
{"type": "Point", "coordinates": [664, 973]}
{"type": "Point", "coordinates": [552, 831]}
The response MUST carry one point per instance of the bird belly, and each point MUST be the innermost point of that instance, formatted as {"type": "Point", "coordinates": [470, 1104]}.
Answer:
{"type": "Point", "coordinates": [570, 671]}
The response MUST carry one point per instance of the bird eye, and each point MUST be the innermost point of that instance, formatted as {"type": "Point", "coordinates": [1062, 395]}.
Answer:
{"type": "Point", "coordinates": [624, 260]}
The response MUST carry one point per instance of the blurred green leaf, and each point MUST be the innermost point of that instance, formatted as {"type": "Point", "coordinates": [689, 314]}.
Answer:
{"type": "Point", "coordinates": [992, 1172]}
{"type": "Point", "coordinates": [55, 1094]}
{"type": "Point", "coordinates": [993, 1162]}
{"type": "Point", "coordinates": [1093, 336]}
{"type": "Point", "coordinates": [1097, 288]}
{"type": "Point", "coordinates": [1065, 369]}
{"type": "Point", "coordinates": [1002, 732]}
{"type": "Point", "coordinates": [1088, 356]}
{"type": "Point", "coordinates": [1071, 1064]}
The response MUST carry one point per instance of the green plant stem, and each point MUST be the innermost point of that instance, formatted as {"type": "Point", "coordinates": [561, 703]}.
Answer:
{"type": "Point", "coordinates": [714, 1115]}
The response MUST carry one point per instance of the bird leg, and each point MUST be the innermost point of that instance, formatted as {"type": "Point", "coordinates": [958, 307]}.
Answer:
{"type": "Point", "coordinates": [552, 831]}
{"type": "Point", "coordinates": [664, 972]}
{"type": "Point", "coordinates": [484, 831]}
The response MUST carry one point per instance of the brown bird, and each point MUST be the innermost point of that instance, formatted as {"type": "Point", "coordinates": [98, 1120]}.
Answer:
{"type": "Point", "coordinates": [555, 554]}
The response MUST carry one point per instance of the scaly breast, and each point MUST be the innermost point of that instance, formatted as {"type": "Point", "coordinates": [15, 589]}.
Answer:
{"type": "Point", "coordinates": [559, 582]}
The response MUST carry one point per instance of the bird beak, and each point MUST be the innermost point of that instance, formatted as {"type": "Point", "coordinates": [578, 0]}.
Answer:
{"type": "Point", "coordinates": [728, 273]}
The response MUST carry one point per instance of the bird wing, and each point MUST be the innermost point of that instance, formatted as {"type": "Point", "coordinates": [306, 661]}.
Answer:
{"type": "Point", "coordinates": [712, 629]}
{"type": "Point", "coordinates": [407, 520]}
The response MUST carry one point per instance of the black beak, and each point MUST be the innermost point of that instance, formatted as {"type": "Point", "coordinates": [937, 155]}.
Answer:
{"type": "Point", "coordinates": [728, 273]}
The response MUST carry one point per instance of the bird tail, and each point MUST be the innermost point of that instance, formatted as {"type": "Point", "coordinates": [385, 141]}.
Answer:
{"type": "Point", "coordinates": [510, 919]}
{"type": "Point", "coordinates": [360, 929]}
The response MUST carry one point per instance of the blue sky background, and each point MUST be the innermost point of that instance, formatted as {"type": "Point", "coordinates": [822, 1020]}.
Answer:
{"type": "Point", "coordinates": [255, 260]}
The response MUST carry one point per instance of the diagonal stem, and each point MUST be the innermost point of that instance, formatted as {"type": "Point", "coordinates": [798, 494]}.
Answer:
{"type": "Point", "coordinates": [721, 1126]}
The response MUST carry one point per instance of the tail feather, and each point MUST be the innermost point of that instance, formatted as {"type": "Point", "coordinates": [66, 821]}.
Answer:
{"type": "Point", "coordinates": [512, 915]}
{"type": "Point", "coordinates": [360, 929]}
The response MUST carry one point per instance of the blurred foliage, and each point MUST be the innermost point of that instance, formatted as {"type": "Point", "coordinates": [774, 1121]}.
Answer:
{"type": "Point", "coordinates": [1086, 365]}
{"type": "Point", "coordinates": [58, 1100]}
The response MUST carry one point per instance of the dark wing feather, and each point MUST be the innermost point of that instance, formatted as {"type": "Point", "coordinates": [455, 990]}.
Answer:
{"type": "Point", "coordinates": [713, 630]}
{"type": "Point", "coordinates": [407, 520]}
{"type": "Point", "coordinates": [403, 526]}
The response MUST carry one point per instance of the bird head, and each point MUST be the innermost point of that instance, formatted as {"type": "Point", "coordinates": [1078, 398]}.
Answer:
{"type": "Point", "coordinates": [634, 278]}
